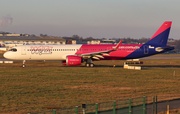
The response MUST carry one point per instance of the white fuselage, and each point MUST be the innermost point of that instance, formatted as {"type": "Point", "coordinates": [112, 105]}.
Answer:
{"type": "Point", "coordinates": [42, 52]}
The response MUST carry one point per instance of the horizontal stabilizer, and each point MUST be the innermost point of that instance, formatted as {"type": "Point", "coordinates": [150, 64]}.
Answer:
{"type": "Point", "coordinates": [163, 48]}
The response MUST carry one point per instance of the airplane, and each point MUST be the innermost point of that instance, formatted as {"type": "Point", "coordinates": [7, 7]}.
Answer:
{"type": "Point", "coordinates": [73, 55]}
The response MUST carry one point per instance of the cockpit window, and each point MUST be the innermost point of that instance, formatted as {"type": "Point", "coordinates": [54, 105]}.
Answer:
{"type": "Point", "coordinates": [13, 49]}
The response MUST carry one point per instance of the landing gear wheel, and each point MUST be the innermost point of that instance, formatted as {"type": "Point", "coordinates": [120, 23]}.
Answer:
{"type": "Point", "coordinates": [87, 65]}
{"type": "Point", "coordinates": [91, 65]}
{"type": "Point", "coordinates": [23, 66]}
{"type": "Point", "coordinates": [24, 61]}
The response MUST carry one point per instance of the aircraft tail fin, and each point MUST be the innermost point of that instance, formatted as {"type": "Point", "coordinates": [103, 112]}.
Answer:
{"type": "Point", "coordinates": [161, 35]}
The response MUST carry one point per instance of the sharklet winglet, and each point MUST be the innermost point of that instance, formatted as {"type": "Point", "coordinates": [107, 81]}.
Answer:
{"type": "Point", "coordinates": [117, 46]}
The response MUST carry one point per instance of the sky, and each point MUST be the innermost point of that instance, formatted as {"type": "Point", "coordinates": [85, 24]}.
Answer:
{"type": "Point", "coordinates": [90, 18]}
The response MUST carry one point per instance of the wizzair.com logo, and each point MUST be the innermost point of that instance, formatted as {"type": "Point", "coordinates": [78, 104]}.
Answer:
{"type": "Point", "coordinates": [41, 50]}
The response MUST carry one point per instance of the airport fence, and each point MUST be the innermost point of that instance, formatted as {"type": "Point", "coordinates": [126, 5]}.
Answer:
{"type": "Point", "coordinates": [141, 105]}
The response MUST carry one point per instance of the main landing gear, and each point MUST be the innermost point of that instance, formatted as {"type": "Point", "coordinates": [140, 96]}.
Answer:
{"type": "Point", "coordinates": [89, 63]}
{"type": "Point", "coordinates": [24, 61]}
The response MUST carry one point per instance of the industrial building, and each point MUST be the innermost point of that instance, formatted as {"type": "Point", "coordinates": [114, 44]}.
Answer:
{"type": "Point", "coordinates": [11, 41]}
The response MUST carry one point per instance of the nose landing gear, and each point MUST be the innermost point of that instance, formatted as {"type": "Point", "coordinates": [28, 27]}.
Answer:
{"type": "Point", "coordinates": [24, 61]}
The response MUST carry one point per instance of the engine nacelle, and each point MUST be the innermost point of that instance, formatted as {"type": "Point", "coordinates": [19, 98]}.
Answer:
{"type": "Point", "coordinates": [72, 60]}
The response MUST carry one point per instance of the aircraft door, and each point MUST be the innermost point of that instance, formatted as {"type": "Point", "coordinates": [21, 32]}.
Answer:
{"type": "Point", "coordinates": [23, 50]}
{"type": "Point", "coordinates": [146, 50]}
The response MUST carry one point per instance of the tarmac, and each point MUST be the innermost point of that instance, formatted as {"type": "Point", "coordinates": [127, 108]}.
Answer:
{"type": "Point", "coordinates": [4, 59]}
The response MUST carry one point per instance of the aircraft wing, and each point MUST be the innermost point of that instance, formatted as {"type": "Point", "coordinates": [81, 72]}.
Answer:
{"type": "Point", "coordinates": [97, 55]}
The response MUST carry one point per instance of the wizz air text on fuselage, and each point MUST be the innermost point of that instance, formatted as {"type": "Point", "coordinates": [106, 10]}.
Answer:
{"type": "Point", "coordinates": [41, 50]}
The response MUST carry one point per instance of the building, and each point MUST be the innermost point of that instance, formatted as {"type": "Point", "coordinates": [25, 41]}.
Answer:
{"type": "Point", "coordinates": [11, 41]}
{"type": "Point", "coordinates": [8, 34]}
{"type": "Point", "coordinates": [86, 41]}
{"type": "Point", "coordinates": [93, 42]}
{"type": "Point", "coordinates": [108, 41]}
{"type": "Point", "coordinates": [70, 41]}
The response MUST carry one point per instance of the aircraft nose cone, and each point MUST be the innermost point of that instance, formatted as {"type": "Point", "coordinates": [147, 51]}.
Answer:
{"type": "Point", "coordinates": [7, 55]}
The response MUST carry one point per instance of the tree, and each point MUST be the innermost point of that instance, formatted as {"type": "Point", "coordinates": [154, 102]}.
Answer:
{"type": "Point", "coordinates": [43, 35]}
{"type": "Point", "coordinates": [75, 36]}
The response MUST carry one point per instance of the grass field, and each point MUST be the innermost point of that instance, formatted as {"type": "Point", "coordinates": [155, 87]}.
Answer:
{"type": "Point", "coordinates": [44, 85]}
{"type": "Point", "coordinates": [47, 85]}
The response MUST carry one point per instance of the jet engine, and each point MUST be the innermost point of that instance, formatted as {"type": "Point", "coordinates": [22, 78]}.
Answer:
{"type": "Point", "coordinates": [72, 60]}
